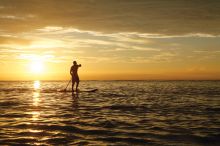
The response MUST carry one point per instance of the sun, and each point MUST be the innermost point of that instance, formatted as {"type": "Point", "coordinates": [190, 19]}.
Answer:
{"type": "Point", "coordinates": [37, 67]}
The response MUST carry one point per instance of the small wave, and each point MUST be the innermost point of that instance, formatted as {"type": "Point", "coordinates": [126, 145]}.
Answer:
{"type": "Point", "coordinates": [18, 141]}
{"type": "Point", "coordinates": [58, 140]}
{"type": "Point", "coordinates": [125, 140]}
{"type": "Point", "coordinates": [8, 103]}
{"type": "Point", "coordinates": [12, 115]}
{"type": "Point", "coordinates": [208, 140]}
{"type": "Point", "coordinates": [213, 109]}
{"type": "Point", "coordinates": [17, 90]}
{"type": "Point", "coordinates": [133, 108]}
{"type": "Point", "coordinates": [110, 94]}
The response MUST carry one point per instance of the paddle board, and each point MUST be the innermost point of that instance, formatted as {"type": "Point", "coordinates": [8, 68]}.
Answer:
{"type": "Point", "coordinates": [90, 90]}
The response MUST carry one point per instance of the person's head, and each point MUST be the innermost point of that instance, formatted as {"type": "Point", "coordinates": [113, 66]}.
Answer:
{"type": "Point", "coordinates": [74, 62]}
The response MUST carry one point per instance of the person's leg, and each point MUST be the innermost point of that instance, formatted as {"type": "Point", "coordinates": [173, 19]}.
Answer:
{"type": "Point", "coordinates": [77, 84]}
{"type": "Point", "coordinates": [73, 86]}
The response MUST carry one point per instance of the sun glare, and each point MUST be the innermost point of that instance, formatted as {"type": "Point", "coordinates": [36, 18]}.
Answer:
{"type": "Point", "coordinates": [37, 67]}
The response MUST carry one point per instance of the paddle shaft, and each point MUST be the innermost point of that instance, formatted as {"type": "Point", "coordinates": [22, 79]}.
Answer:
{"type": "Point", "coordinates": [68, 84]}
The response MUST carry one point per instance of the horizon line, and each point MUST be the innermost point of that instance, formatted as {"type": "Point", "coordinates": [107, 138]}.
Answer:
{"type": "Point", "coordinates": [119, 80]}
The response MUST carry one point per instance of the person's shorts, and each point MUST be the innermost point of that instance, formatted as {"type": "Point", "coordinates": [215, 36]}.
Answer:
{"type": "Point", "coordinates": [75, 79]}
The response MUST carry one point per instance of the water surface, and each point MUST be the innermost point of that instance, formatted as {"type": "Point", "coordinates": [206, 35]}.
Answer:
{"type": "Point", "coordinates": [119, 113]}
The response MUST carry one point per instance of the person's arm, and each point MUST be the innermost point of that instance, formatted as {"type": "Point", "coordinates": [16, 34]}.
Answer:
{"type": "Point", "coordinates": [79, 65]}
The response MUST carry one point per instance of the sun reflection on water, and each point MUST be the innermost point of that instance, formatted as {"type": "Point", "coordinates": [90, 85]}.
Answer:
{"type": "Point", "coordinates": [34, 131]}
{"type": "Point", "coordinates": [36, 85]}
{"type": "Point", "coordinates": [36, 93]}
{"type": "Point", "coordinates": [35, 115]}
{"type": "Point", "coordinates": [36, 100]}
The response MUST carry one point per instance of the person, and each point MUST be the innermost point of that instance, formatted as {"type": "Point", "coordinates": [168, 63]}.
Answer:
{"type": "Point", "coordinates": [74, 74]}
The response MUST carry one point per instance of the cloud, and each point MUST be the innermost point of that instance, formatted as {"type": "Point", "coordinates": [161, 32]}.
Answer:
{"type": "Point", "coordinates": [34, 57]}
{"type": "Point", "coordinates": [169, 18]}
{"type": "Point", "coordinates": [164, 57]}
{"type": "Point", "coordinates": [66, 43]}
{"type": "Point", "coordinates": [14, 17]}
{"type": "Point", "coordinates": [8, 39]}
{"type": "Point", "coordinates": [206, 51]}
{"type": "Point", "coordinates": [145, 49]}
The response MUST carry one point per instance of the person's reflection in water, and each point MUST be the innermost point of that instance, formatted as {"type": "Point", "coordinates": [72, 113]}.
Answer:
{"type": "Point", "coordinates": [75, 97]}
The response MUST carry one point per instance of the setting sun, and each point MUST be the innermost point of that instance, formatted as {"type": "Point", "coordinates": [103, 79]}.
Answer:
{"type": "Point", "coordinates": [36, 67]}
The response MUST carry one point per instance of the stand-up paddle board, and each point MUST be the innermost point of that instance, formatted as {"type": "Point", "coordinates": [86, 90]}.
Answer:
{"type": "Point", "coordinates": [91, 90]}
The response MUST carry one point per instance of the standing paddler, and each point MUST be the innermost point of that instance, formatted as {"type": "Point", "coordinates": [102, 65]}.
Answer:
{"type": "Point", "coordinates": [74, 74]}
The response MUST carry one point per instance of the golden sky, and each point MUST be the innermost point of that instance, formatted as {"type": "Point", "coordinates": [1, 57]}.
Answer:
{"type": "Point", "coordinates": [112, 39]}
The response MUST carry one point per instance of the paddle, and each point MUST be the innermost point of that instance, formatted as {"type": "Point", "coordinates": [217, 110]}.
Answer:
{"type": "Point", "coordinates": [67, 86]}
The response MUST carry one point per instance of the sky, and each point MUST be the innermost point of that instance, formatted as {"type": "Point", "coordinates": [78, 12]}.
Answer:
{"type": "Point", "coordinates": [112, 39]}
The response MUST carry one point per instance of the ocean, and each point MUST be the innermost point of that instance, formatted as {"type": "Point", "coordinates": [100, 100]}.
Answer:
{"type": "Point", "coordinates": [164, 113]}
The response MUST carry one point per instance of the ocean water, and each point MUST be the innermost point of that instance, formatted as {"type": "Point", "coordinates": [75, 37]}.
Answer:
{"type": "Point", "coordinates": [119, 113]}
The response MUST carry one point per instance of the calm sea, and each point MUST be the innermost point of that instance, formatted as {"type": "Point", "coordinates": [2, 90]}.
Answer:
{"type": "Point", "coordinates": [119, 113]}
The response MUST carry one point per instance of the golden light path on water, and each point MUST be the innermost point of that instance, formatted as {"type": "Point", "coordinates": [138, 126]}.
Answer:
{"type": "Point", "coordinates": [35, 113]}
{"type": "Point", "coordinates": [36, 100]}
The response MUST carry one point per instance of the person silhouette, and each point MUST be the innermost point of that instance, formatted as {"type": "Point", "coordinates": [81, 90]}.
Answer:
{"type": "Point", "coordinates": [74, 74]}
